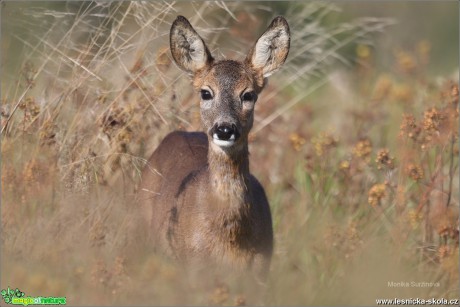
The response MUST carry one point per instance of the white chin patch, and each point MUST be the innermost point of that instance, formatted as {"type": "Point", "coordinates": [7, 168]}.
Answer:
{"type": "Point", "coordinates": [223, 143]}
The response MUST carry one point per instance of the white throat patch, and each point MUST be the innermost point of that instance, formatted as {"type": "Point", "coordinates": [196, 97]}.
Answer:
{"type": "Point", "coordinates": [223, 143]}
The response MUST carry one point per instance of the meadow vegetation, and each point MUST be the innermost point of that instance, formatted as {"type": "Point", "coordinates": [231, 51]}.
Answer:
{"type": "Point", "coordinates": [359, 161]}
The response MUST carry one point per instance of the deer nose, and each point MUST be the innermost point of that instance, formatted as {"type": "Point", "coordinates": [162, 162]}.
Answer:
{"type": "Point", "coordinates": [226, 131]}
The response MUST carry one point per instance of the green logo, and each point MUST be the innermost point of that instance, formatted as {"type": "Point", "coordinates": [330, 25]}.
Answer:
{"type": "Point", "coordinates": [16, 297]}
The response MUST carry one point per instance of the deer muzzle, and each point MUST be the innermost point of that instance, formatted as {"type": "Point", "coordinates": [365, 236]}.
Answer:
{"type": "Point", "coordinates": [225, 134]}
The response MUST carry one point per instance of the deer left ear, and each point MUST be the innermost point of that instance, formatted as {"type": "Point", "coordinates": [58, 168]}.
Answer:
{"type": "Point", "coordinates": [271, 49]}
{"type": "Point", "coordinates": [187, 48]}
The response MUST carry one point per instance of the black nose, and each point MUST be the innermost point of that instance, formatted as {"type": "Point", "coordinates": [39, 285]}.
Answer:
{"type": "Point", "coordinates": [225, 131]}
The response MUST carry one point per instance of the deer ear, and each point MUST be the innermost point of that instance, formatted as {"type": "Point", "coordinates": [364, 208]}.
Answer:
{"type": "Point", "coordinates": [271, 49]}
{"type": "Point", "coordinates": [187, 48]}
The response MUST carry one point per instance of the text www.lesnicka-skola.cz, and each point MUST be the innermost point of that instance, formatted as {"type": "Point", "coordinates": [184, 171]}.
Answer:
{"type": "Point", "coordinates": [418, 301]}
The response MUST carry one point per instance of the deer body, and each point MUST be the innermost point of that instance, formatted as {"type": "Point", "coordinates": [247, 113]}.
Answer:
{"type": "Point", "coordinates": [200, 200]}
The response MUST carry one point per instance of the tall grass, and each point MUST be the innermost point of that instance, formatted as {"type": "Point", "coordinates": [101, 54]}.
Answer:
{"type": "Point", "coordinates": [362, 194]}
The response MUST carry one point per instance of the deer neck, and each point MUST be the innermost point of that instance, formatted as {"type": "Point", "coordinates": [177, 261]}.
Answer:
{"type": "Point", "coordinates": [229, 174]}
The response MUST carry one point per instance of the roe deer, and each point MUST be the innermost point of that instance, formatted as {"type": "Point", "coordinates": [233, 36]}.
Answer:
{"type": "Point", "coordinates": [199, 197]}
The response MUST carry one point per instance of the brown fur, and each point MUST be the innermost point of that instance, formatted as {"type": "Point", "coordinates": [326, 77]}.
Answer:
{"type": "Point", "coordinates": [199, 198]}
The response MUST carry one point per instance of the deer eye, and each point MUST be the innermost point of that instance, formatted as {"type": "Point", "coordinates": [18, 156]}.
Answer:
{"type": "Point", "coordinates": [249, 96]}
{"type": "Point", "coordinates": [206, 95]}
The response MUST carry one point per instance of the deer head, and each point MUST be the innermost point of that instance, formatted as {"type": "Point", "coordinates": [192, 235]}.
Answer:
{"type": "Point", "coordinates": [229, 89]}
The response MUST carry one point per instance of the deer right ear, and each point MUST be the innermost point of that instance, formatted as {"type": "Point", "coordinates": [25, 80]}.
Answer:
{"type": "Point", "coordinates": [271, 49]}
{"type": "Point", "coordinates": [187, 48]}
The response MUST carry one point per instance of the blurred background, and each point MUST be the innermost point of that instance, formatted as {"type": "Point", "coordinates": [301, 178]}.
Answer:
{"type": "Point", "coordinates": [355, 141]}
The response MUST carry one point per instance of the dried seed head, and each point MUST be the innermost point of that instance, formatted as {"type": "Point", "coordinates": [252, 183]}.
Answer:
{"type": "Point", "coordinates": [119, 265]}
{"type": "Point", "coordinates": [454, 93]}
{"type": "Point", "coordinates": [240, 300]}
{"type": "Point", "coordinates": [414, 218]}
{"type": "Point", "coordinates": [8, 177]}
{"type": "Point", "coordinates": [220, 294]}
{"type": "Point", "coordinates": [297, 141]}
{"type": "Point", "coordinates": [323, 143]}
{"type": "Point", "coordinates": [409, 127]}
{"type": "Point", "coordinates": [432, 120]}
{"type": "Point", "coordinates": [415, 172]}
{"type": "Point", "coordinates": [384, 160]}
{"type": "Point", "coordinates": [29, 73]}
{"type": "Point", "coordinates": [403, 93]}
{"type": "Point", "coordinates": [48, 133]}
{"type": "Point", "coordinates": [344, 165]}
{"type": "Point", "coordinates": [115, 119]}
{"type": "Point", "coordinates": [125, 135]}
{"type": "Point", "coordinates": [31, 171]}
{"type": "Point", "coordinates": [99, 274]}
{"type": "Point", "coordinates": [423, 50]}
{"type": "Point", "coordinates": [97, 233]}
{"type": "Point", "coordinates": [382, 88]}
{"type": "Point", "coordinates": [405, 62]}
{"type": "Point", "coordinates": [5, 109]}
{"type": "Point", "coordinates": [444, 251]}
{"type": "Point", "coordinates": [162, 60]}
{"type": "Point", "coordinates": [376, 194]}
{"type": "Point", "coordinates": [363, 51]}
{"type": "Point", "coordinates": [363, 149]}
{"type": "Point", "coordinates": [30, 107]}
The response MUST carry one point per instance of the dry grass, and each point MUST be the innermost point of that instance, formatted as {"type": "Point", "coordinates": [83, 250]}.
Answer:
{"type": "Point", "coordinates": [362, 194]}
